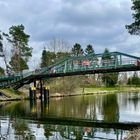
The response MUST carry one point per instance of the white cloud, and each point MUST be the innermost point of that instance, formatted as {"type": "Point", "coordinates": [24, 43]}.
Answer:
{"type": "Point", "coordinates": [99, 22]}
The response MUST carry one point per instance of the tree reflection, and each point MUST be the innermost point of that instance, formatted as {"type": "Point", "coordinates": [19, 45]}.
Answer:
{"type": "Point", "coordinates": [79, 133]}
{"type": "Point", "coordinates": [22, 130]}
{"type": "Point", "coordinates": [135, 100]}
{"type": "Point", "coordinates": [110, 108]}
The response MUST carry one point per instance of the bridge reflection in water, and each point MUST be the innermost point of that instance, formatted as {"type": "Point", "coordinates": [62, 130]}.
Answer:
{"type": "Point", "coordinates": [71, 118]}
{"type": "Point", "coordinates": [25, 129]}
{"type": "Point", "coordinates": [76, 121]}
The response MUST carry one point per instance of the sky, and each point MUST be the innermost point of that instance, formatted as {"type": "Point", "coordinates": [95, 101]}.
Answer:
{"type": "Point", "coordinates": [97, 22]}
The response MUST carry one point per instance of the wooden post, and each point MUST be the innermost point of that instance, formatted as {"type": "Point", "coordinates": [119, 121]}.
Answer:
{"type": "Point", "coordinates": [41, 89]}
{"type": "Point", "coordinates": [32, 93]}
{"type": "Point", "coordinates": [46, 94]}
{"type": "Point", "coordinates": [34, 83]}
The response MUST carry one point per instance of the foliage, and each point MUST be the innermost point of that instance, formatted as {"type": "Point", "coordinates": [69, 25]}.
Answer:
{"type": "Point", "coordinates": [77, 50]}
{"type": "Point", "coordinates": [48, 58]}
{"type": "Point", "coordinates": [108, 79]}
{"type": "Point", "coordinates": [106, 55]}
{"type": "Point", "coordinates": [89, 49]}
{"type": "Point", "coordinates": [66, 85]}
{"type": "Point", "coordinates": [61, 55]}
{"type": "Point", "coordinates": [1, 71]}
{"type": "Point", "coordinates": [134, 28]}
{"type": "Point", "coordinates": [134, 80]}
{"type": "Point", "coordinates": [22, 65]}
{"type": "Point", "coordinates": [21, 52]}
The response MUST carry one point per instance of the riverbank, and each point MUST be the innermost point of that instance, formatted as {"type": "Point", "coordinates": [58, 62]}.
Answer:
{"type": "Point", "coordinates": [10, 94]}
{"type": "Point", "coordinates": [98, 91]}
{"type": "Point", "coordinates": [101, 90]}
{"type": "Point", "coordinates": [134, 135]}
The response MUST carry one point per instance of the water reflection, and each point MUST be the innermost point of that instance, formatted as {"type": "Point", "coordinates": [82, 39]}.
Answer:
{"type": "Point", "coordinates": [20, 129]}
{"type": "Point", "coordinates": [109, 108]}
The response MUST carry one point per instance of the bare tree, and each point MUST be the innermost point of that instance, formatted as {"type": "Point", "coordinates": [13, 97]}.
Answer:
{"type": "Point", "coordinates": [5, 50]}
{"type": "Point", "coordinates": [58, 45]}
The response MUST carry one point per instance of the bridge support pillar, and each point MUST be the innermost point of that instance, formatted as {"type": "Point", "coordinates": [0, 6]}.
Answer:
{"type": "Point", "coordinates": [34, 83]}
{"type": "Point", "coordinates": [32, 93]}
{"type": "Point", "coordinates": [41, 89]}
{"type": "Point", "coordinates": [46, 94]}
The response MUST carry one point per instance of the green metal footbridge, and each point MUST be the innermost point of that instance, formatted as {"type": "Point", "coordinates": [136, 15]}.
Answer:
{"type": "Point", "coordinates": [76, 65]}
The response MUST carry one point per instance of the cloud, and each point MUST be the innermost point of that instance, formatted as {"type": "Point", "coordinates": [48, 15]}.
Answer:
{"type": "Point", "coordinates": [101, 23]}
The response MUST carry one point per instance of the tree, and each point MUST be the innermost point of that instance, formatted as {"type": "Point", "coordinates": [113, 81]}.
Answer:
{"type": "Point", "coordinates": [106, 55]}
{"type": "Point", "coordinates": [62, 55]}
{"type": "Point", "coordinates": [58, 45]}
{"type": "Point", "coordinates": [44, 58]}
{"type": "Point", "coordinates": [108, 79]}
{"type": "Point", "coordinates": [77, 50]}
{"type": "Point", "coordinates": [3, 51]}
{"type": "Point", "coordinates": [123, 78]}
{"type": "Point", "coordinates": [1, 71]}
{"type": "Point", "coordinates": [89, 49]}
{"type": "Point", "coordinates": [48, 58]}
{"type": "Point", "coordinates": [134, 80]}
{"type": "Point", "coordinates": [21, 52]}
{"type": "Point", "coordinates": [134, 28]}
{"type": "Point", "coordinates": [18, 68]}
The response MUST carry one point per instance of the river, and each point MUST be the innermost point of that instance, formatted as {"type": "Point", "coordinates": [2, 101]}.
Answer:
{"type": "Point", "coordinates": [60, 118]}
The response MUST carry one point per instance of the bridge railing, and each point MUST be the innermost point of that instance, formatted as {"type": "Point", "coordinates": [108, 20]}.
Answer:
{"type": "Point", "coordinates": [83, 65]}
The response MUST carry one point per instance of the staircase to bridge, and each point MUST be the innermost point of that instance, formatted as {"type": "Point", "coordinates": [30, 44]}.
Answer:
{"type": "Point", "coordinates": [76, 65]}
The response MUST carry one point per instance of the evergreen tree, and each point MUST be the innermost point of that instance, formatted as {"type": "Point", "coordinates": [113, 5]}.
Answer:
{"type": "Point", "coordinates": [110, 79]}
{"type": "Point", "coordinates": [89, 49]}
{"type": "Point", "coordinates": [44, 59]}
{"type": "Point", "coordinates": [106, 55]}
{"type": "Point", "coordinates": [134, 28]}
{"type": "Point", "coordinates": [48, 58]}
{"type": "Point", "coordinates": [77, 50]}
{"type": "Point", "coordinates": [22, 65]}
{"type": "Point", "coordinates": [134, 80]}
{"type": "Point", "coordinates": [21, 52]}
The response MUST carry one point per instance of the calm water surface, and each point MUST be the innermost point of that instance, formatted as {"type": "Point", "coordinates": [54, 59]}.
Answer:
{"type": "Point", "coordinates": [25, 120]}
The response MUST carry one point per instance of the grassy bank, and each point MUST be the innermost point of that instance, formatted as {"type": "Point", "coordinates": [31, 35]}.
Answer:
{"type": "Point", "coordinates": [10, 94]}
{"type": "Point", "coordinates": [90, 90]}
{"type": "Point", "coordinates": [97, 90]}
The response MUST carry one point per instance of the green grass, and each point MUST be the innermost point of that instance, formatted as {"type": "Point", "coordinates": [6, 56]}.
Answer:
{"type": "Point", "coordinates": [108, 89]}
{"type": "Point", "coordinates": [12, 94]}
